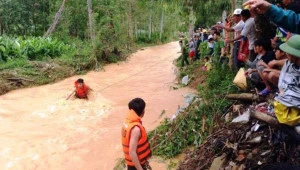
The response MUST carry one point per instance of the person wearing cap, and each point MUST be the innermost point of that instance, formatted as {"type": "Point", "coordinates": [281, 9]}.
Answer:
{"type": "Point", "coordinates": [237, 29]}
{"type": "Point", "coordinates": [286, 19]}
{"type": "Point", "coordinates": [204, 35]}
{"type": "Point", "coordinates": [248, 32]}
{"type": "Point", "coordinates": [210, 45]}
{"type": "Point", "coordinates": [185, 53]}
{"type": "Point", "coordinates": [287, 103]}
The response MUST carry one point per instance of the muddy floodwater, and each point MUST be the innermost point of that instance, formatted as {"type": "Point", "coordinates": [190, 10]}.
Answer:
{"type": "Point", "coordinates": [42, 130]}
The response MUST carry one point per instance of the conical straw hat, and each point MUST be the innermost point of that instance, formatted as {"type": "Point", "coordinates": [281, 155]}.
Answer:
{"type": "Point", "coordinates": [240, 79]}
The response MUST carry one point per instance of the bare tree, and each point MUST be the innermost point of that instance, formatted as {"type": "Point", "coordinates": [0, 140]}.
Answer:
{"type": "Point", "coordinates": [55, 21]}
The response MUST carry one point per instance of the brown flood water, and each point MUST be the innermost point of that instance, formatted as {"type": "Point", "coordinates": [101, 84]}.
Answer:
{"type": "Point", "coordinates": [42, 130]}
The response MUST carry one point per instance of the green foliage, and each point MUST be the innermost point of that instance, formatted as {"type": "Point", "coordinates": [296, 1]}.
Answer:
{"type": "Point", "coordinates": [32, 48]}
{"type": "Point", "coordinates": [204, 8]}
{"type": "Point", "coordinates": [204, 49]}
{"type": "Point", "coordinates": [21, 17]}
{"type": "Point", "coordinates": [172, 165]}
{"type": "Point", "coordinates": [219, 83]}
{"type": "Point", "coordinates": [119, 24]}
{"type": "Point", "coordinates": [171, 138]}
{"type": "Point", "coordinates": [81, 60]}
{"type": "Point", "coordinates": [113, 58]}
{"type": "Point", "coordinates": [197, 122]}
{"type": "Point", "coordinates": [19, 63]}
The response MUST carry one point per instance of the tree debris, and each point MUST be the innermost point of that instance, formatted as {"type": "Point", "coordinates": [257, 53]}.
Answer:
{"type": "Point", "coordinates": [19, 79]}
{"type": "Point", "coordinates": [264, 117]}
{"type": "Point", "coordinates": [244, 97]}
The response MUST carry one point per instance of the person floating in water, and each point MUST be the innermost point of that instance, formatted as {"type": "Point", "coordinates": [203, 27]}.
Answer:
{"type": "Point", "coordinates": [81, 90]}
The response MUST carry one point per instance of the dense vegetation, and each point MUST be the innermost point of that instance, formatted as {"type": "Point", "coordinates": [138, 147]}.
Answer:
{"type": "Point", "coordinates": [116, 24]}
{"type": "Point", "coordinates": [82, 35]}
{"type": "Point", "coordinates": [197, 122]}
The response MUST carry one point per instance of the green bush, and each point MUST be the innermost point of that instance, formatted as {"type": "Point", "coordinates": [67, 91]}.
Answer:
{"type": "Point", "coordinates": [204, 49]}
{"type": "Point", "coordinates": [32, 48]}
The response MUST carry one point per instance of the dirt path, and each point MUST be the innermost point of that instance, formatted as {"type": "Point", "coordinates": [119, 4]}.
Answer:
{"type": "Point", "coordinates": [41, 130]}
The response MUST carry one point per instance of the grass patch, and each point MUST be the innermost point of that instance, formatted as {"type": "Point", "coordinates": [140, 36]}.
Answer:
{"type": "Point", "coordinates": [199, 120]}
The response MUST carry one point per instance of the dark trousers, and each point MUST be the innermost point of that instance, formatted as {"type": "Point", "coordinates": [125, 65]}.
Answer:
{"type": "Point", "coordinates": [197, 55]}
{"type": "Point", "coordinates": [237, 64]}
{"type": "Point", "coordinates": [184, 59]}
{"type": "Point", "coordinates": [133, 168]}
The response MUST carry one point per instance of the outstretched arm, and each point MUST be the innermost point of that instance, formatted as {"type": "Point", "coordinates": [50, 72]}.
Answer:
{"type": "Point", "coordinates": [237, 38]}
{"type": "Point", "coordinates": [258, 6]}
{"type": "Point", "coordinates": [229, 29]}
{"type": "Point", "coordinates": [286, 19]}
{"type": "Point", "coordinates": [71, 95]}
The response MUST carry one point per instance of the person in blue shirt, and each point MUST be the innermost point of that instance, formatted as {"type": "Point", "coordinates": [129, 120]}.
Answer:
{"type": "Point", "coordinates": [286, 19]}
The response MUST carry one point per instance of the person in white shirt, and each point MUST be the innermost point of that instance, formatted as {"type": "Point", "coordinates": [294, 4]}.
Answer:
{"type": "Point", "coordinates": [237, 29]}
{"type": "Point", "coordinates": [247, 32]}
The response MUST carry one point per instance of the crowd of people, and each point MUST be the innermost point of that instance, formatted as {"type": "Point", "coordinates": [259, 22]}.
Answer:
{"type": "Point", "coordinates": [272, 64]}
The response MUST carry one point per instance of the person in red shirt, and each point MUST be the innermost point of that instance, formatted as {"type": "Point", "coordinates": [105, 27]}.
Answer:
{"type": "Point", "coordinates": [81, 90]}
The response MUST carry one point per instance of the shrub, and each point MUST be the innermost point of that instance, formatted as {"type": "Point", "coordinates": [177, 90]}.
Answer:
{"type": "Point", "coordinates": [32, 48]}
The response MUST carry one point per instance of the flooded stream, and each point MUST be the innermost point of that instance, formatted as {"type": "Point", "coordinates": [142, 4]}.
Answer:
{"type": "Point", "coordinates": [42, 130]}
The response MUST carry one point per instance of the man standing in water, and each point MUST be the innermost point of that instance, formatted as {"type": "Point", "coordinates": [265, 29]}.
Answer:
{"type": "Point", "coordinates": [135, 143]}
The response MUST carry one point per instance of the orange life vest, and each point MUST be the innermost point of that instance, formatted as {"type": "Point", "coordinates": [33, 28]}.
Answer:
{"type": "Point", "coordinates": [81, 92]}
{"type": "Point", "coordinates": [143, 149]}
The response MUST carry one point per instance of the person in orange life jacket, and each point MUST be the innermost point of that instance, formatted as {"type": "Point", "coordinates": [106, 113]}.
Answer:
{"type": "Point", "coordinates": [135, 143]}
{"type": "Point", "coordinates": [81, 90]}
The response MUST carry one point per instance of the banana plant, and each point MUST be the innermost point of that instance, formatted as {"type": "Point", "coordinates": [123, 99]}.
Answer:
{"type": "Point", "coordinates": [32, 48]}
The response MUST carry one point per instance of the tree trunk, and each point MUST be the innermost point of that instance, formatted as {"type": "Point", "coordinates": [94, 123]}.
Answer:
{"type": "Point", "coordinates": [55, 21]}
{"type": "Point", "coordinates": [191, 24]}
{"type": "Point", "coordinates": [130, 24]}
{"type": "Point", "coordinates": [1, 26]}
{"type": "Point", "coordinates": [264, 117]}
{"type": "Point", "coordinates": [161, 22]}
{"type": "Point", "coordinates": [232, 4]}
{"type": "Point", "coordinates": [150, 20]}
{"type": "Point", "coordinates": [136, 29]}
{"type": "Point", "coordinates": [91, 24]}
{"type": "Point", "coordinates": [92, 31]}
{"type": "Point", "coordinates": [243, 96]}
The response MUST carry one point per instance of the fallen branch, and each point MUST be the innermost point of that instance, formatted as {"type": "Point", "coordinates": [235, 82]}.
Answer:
{"type": "Point", "coordinates": [243, 96]}
{"type": "Point", "coordinates": [264, 117]}
{"type": "Point", "coordinates": [19, 79]}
